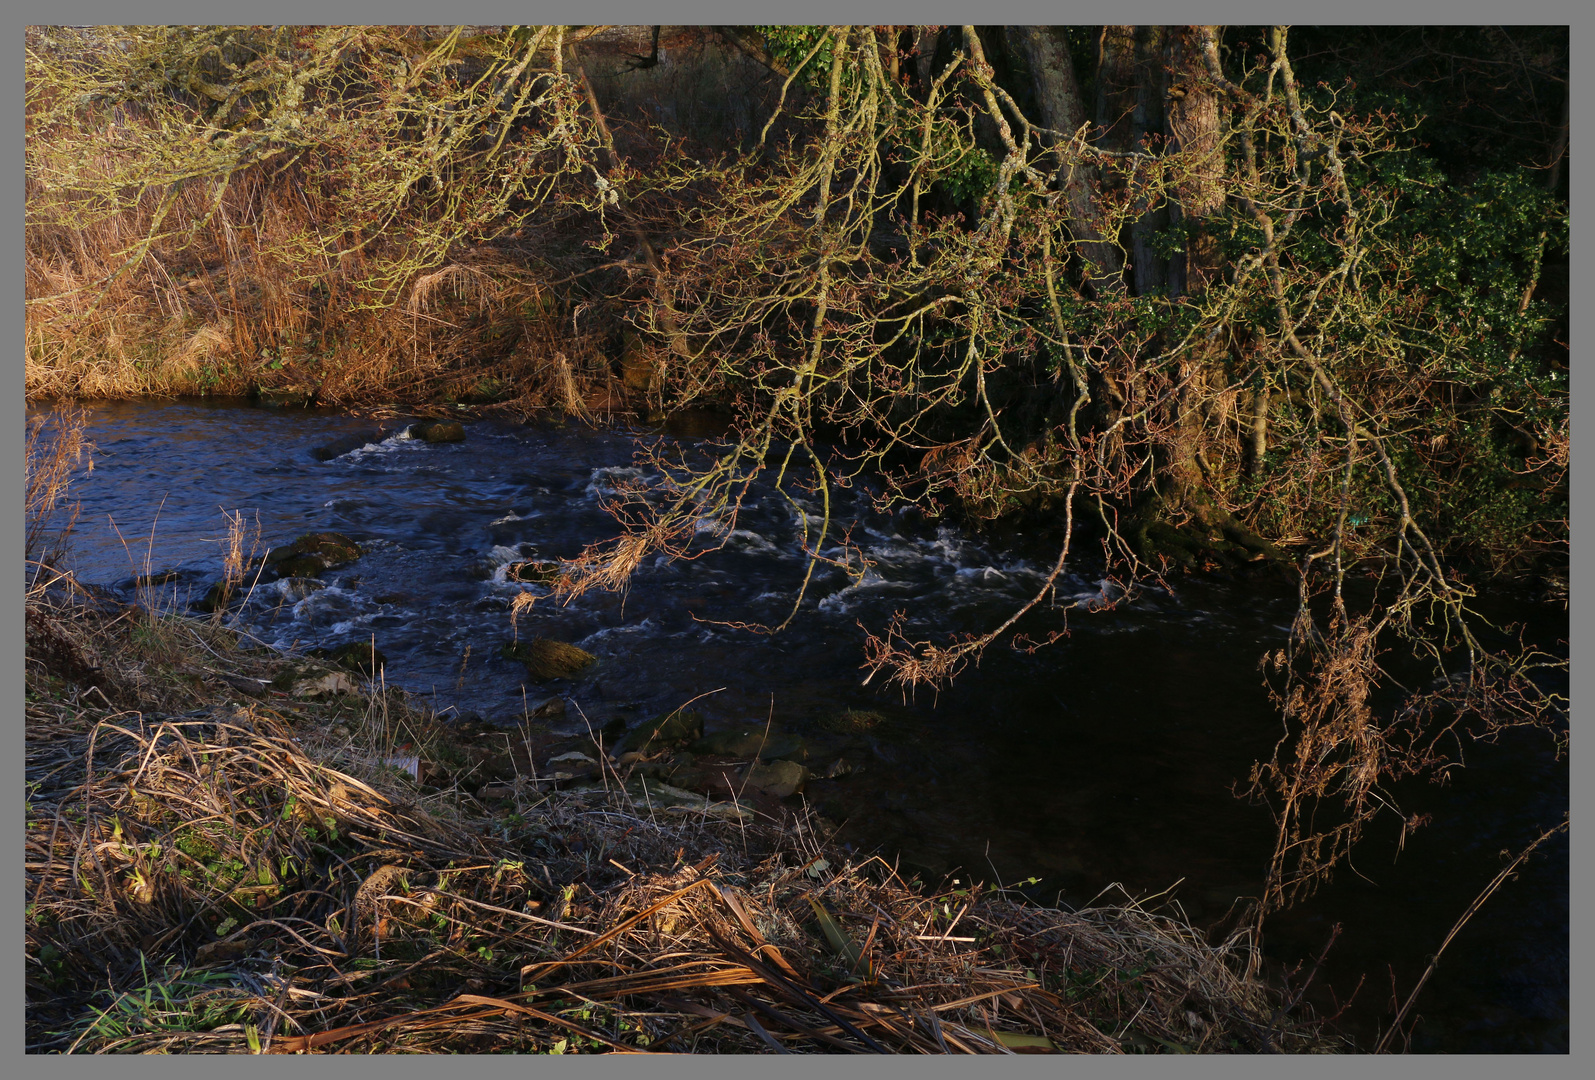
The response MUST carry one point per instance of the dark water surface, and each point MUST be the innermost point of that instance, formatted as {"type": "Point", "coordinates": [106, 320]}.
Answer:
{"type": "Point", "coordinates": [1108, 757]}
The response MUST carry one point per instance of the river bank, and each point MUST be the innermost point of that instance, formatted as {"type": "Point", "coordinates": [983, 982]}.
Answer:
{"type": "Point", "coordinates": [234, 851]}
{"type": "Point", "coordinates": [1067, 765]}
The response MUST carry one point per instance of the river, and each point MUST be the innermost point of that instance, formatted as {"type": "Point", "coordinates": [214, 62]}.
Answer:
{"type": "Point", "coordinates": [1111, 756]}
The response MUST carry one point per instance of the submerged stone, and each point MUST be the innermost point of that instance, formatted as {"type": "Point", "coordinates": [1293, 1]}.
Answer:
{"type": "Point", "coordinates": [346, 444]}
{"type": "Point", "coordinates": [747, 743]}
{"type": "Point", "coordinates": [165, 577]}
{"type": "Point", "coordinates": [672, 729]}
{"type": "Point", "coordinates": [285, 397]}
{"type": "Point", "coordinates": [297, 588]}
{"type": "Point", "coordinates": [548, 659]}
{"type": "Point", "coordinates": [312, 554]}
{"type": "Point", "coordinates": [777, 778]}
{"type": "Point", "coordinates": [217, 597]}
{"type": "Point", "coordinates": [533, 571]}
{"type": "Point", "coordinates": [438, 431]}
{"type": "Point", "coordinates": [853, 721]}
{"type": "Point", "coordinates": [360, 656]}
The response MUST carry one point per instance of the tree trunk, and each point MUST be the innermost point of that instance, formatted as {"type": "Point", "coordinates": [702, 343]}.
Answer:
{"type": "Point", "coordinates": [1154, 98]}
{"type": "Point", "coordinates": [1057, 93]}
{"type": "Point", "coordinates": [1130, 112]}
{"type": "Point", "coordinates": [1116, 84]}
{"type": "Point", "coordinates": [1193, 129]}
{"type": "Point", "coordinates": [926, 39]}
{"type": "Point", "coordinates": [1146, 129]}
{"type": "Point", "coordinates": [1259, 433]}
{"type": "Point", "coordinates": [1191, 120]}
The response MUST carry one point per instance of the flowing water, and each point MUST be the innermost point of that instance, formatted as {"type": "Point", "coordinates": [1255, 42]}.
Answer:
{"type": "Point", "coordinates": [1109, 756]}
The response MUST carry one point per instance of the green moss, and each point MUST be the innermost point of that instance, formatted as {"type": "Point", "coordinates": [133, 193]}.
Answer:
{"type": "Point", "coordinates": [439, 431]}
{"type": "Point", "coordinates": [671, 729]}
{"type": "Point", "coordinates": [359, 656]}
{"type": "Point", "coordinates": [547, 659]}
{"type": "Point", "coordinates": [853, 721]}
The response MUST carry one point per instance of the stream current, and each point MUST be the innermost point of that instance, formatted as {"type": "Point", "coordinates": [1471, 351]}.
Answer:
{"type": "Point", "coordinates": [1110, 756]}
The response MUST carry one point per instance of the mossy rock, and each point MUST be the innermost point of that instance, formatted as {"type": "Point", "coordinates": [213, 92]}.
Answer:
{"type": "Point", "coordinates": [358, 656]}
{"type": "Point", "coordinates": [855, 721]}
{"type": "Point", "coordinates": [547, 659]}
{"type": "Point", "coordinates": [748, 743]}
{"type": "Point", "coordinates": [285, 397]}
{"type": "Point", "coordinates": [671, 729]}
{"type": "Point", "coordinates": [1160, 538]}
{"type": "Point", "coordinates": [776, 778]}
{"type": "Point", "coordinates": [333, 682]}
{"type": "Point", "coordinates": [301, 566]}
{"type": "Point", "coordinates": [438, 431]}
{"type": "Point", "coordinates": [636, 369]}
{"type": "Point", "coordinates": [335, 548]}
{"type": "Point", "coordinates": [313, 553]}
{"type": "Point", "coordinates": [301, 671]}
{"type": "Point", "coordinates": [348, 443]}
{"type": "Point", "coordinates": [165, 577]}
{"type": "Point", "coordinates": [217, 597]}
{"type": "Point", "coordinates": [1246, 540]}
{"type": "Point", "coordinates": [533, 571]}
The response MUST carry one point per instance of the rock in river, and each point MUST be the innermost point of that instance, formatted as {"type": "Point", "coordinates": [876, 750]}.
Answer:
{"type": "Point", "coordinates": [777, 778]}
{"type": "Point", "coordinates": [346, 444]}
{"type": "Point", "coordinates": [672, 729]}
{"type": "Point", "coordinates": [548, 659]}
{"type": "Point", "coordinates": [359, 656]}
{"type": "Point", "coordinates": [438, 431]}
{"type": "Point", "coordinates": [311, 554]}
{"type": "Point", "coordinates": [300, 566]}
{"type": "Point", "coordinates": [218, 596]}
{"type": "Point", "coordinates": [748, 743]}
{"type": "Point", "coordinates": [533, 571]}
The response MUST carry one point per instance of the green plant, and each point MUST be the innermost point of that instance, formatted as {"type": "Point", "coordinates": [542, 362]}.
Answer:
{"type": "Point", "coordinates": [793, 45]}
{"type": "Point", "coordinates": [172, 1001]}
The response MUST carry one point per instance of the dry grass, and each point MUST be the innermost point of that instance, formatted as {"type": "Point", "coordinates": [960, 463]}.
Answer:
{"type": "Point", "coordinates": [279, 275]}
{"type": "Point", "coordinates": [250, 875]}
{"type": "Point", "coordinates": [479, 329]}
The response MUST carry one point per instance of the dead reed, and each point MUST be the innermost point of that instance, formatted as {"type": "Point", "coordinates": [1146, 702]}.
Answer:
{"type": "Point", "coordinates": [54, 448]}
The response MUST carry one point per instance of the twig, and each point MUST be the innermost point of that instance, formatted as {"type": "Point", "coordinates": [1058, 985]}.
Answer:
{"type": "Point", "coordinates": [1478, 902]}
